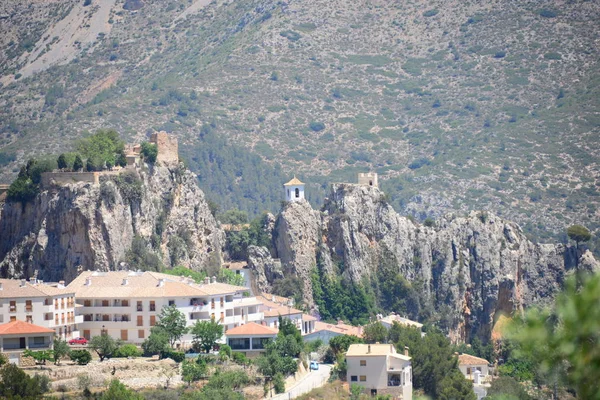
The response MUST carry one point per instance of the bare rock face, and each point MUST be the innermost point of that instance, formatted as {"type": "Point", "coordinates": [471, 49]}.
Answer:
{"type": "Point", "coordinates": [296, 239]}
{"type": "Point", "coordinates": [91, 226]}
{"type": "Point", "coordinates": [471, 268]}
{"type": "Point", "coordinates": [264, 268]}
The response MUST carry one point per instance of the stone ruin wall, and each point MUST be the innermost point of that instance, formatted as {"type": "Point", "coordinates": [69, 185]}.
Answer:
{"type": "Point", "coordinates": [168, 149]}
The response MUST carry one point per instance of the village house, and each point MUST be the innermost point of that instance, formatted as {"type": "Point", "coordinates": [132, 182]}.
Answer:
{"type": "Point", "coordinates": [51, 306]}
{"type": "Point", "coordinates": [126, 304]}
{"type": "Point", "coordinates": [250, 338]}
{"type": "Point", "coordinates": [473, 368]}
{"type": "Point", "coordinates": [277, 306]}
{"type": "Point", "coordinates": [326, 331]}
{"type": "Point", "coordinates": [389, 320]}
{"type": "Point", "coordinates": [17, 336]}
{"type": "Point", "coordinates": [379, 369]}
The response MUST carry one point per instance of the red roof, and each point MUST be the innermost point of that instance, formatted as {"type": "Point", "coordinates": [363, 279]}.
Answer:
{"type": "Point", "coordinates": [21, 328]}
{"type": "Point", "coordinates": [251, 328]}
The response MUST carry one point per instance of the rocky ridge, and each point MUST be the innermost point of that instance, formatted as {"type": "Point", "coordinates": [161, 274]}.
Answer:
{"type": "Point", "coordinates": [92, 226]}
{"type": "Point", "coordinates": [471, 267]}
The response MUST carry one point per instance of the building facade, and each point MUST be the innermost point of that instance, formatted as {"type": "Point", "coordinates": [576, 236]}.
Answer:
{"type": "Point", "coordinates": [51, 306]}
{"type": "Point", "coordinates": [127, 304]}
{"type": "Point", "coordinates": [294, 190]}
{"type": "Point", "coordinates": [379, 369]}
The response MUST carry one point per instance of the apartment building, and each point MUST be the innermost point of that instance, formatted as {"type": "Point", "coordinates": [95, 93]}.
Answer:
{"type": "Point", "coordinates": [379, 369]}
{"type": "Point", "coordinates": [126, 304]}
{"type": "Point", "coordinates": [47, 305]}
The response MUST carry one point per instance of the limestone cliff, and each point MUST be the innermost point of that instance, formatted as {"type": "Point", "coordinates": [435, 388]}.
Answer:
{"type": "Point", "coordinates": [92, 226]}
{"type": "Point", "coordinates": [471, 268]}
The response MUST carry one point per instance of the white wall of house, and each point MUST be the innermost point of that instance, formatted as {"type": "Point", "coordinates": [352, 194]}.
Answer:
{"type": "Point", "coordinates": [377, 371]}
{"type": "Point", "coordinates": [468, 370]}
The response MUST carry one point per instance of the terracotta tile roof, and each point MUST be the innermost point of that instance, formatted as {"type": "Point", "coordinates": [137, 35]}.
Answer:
{"type": "Point", "coordinates": [467, 359]}
{"type": "Point", "coordinates": [11, 288]}
{"type": "Point", "coordinates": [341, 328]}
{"type": "Point", "coordinates": [278, 307]}
{"type": "Point", "coordinates": [390, 319]}
{"type": "Point", "coordinates": [144, 284]}
{"type": "Point", "coordinates": [294, 182]}
{"type": "Point", "coordinates": [251, 328]}
{"type": "Point", "coordinates": [306, 317]}
{"type": "Point", "coordinates": [22, 328]}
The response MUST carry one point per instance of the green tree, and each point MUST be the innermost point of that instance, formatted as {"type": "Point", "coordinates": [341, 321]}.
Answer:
{"type": "Point", "coordinates": [78, 163]}
{"type": "Point", "coordinates": [81, 357]}
{"type": "Point", "coordinates": [156, 342]}
{"type": "Point", "coordinates": [230, 277]}
{"type": "Point", "coordinates": [288, 328]}
{"type": "Point", "coordinates": [192, 371]}
{"type": "Point", "coordinates": [507, 388]}
{"type": "Point", "coordinates": [180, 270]}
{"type": "Point", "coordinates": [173, 322]}
{"type": "Point", "coordinates": [564, 340]}
{"type": "Point", "coordinates": [41, 356]}
{"type": "Point", "coordinates": [355, 391]}
{"type": "Point", "coordinates": [104, 345]}
{"type": "Point", "coordinates": [340, 344]}
{"type": "Point", "coordinates": [234, 217]}
{"type": "Point", "coordinates": [61, 349]}
{"type": "Point", "coordinates": [149, 152]}
{"type": "Point", "coordinates": [117, 391]}
{"type": "Point", "coordinates": [62, 161]}
{"type": "Point", "coordinates": [375, 333]}
{"type": "Point", "coordinates": [16, 384]}
{"type": "Point", "coordinates": [206, 334]}
{"type": "Point", "coordinates": [101, 146]}
{"type": "Point", "coordinates": [579, 234]}
{"type": "Point", "coordinates": [279, 383]}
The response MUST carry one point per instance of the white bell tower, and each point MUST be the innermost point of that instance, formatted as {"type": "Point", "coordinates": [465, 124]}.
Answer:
{"type": "Point", "coordinates": [294, 190]}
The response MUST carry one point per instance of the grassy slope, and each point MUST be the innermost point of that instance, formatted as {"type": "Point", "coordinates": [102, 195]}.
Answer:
{"type": "Point", "coordinates": [480, 105]}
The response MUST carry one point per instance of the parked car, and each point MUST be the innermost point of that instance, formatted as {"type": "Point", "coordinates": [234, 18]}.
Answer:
{"type": "Point", "coordinates": [314, 365]}
{"type": "Point", "coordinates": [78, 340]}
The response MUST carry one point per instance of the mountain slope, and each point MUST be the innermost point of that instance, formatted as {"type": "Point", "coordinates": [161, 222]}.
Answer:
{"type": "Point", "coordinates": [458, 106]}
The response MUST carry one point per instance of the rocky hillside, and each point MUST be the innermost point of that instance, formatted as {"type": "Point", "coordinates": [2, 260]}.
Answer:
{"type": "Point", "coordinates": [141, 218]}
{"type": "Point", "coordinates": [469, 269]}
{"type": "Point", "coordinates": [458, 106]}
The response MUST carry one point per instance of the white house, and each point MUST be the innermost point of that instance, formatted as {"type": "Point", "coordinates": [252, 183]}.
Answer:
{"type": "Point", "coordinates": [325, 331]}
{"type": "Point", "coordinates": [393, 317]}
{"type": "Point", "coordinates": [250, 338]}
{"type": "Point", "coordinates": [380, 370]}
{"type": "Point", "coordinates": [48, 305]}
{"type": "Point", "coordinates": [294, 190]}
{"type": "Point", "coordinates": [240, 268]}
{"type": "Point", "coordinates": [274, 307]}
{"type": "Point", "coordinates": [468, 364]}
{"type": "Point", "coordinates": [126, 304]}
{"type": "Point", "coordinates": [17, 336]}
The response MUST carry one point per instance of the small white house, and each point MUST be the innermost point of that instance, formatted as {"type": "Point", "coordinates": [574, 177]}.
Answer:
{"type": "Point", "coordinates": [469, 364]}
{"type": "Point", "coordinates": [17, 336]}
{"type": "Point", "coordinates": [379, 369]}
{"type": "Point", "coordinates": [294, 190]}
{"type": "Point", "coordinates": [250, 338]}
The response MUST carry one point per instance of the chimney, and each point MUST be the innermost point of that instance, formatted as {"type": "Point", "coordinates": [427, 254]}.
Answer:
{"type": "Point", "coordinates": [206, 280]}
{"type": "Point", "coordinates": [1, 286]}
{"type": "Point", "coordinates": [392, 348]}
{"type": "Point", "coordinates": [61, 283]}
{"type": "Point", "coordinates": [214, 279]}
{"type": "Point", "coordinates": [161, 282]}
{"type": "Point", "coordinates": [33, 280]}
{"type": "Point", "coordinates": [88, 281]}
{"type": "Point", "coordinates": [125, 282]}
{"type": "Point", "coordinates": [369, 349]}
{"type": "Point", "coordinates": [23, 282]}
{"type": "Point", "coordinates": [406, 351]}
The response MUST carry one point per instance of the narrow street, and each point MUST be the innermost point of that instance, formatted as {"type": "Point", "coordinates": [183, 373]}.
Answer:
{"type": "Point", "coordinates": [310, 381]}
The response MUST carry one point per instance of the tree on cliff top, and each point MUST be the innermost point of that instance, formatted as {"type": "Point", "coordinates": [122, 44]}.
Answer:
{"type": "Point", "coordinates": [579, 234]}
{"type": "Point", "coordinates": [103, 146]}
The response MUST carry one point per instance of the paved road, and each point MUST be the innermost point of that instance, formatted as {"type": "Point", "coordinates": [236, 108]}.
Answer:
{"type": "Point", "coordinates": [310, 381]}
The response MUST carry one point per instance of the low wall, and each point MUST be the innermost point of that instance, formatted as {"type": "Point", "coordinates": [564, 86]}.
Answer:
{"type": "Point", "coordinates": [65, 178]}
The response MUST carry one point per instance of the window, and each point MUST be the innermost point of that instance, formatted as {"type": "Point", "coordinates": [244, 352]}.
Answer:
{"type": "Point", "coordinates": [125, 303]}
{"type": "Point", "coordinates": [140, 334]}
{"type": "Point", "coordinates": [86, 334]}
{"type": "Point", "coordinates": [13, 306]}
{"type": "Point", "coordinates": [297, 192]}
{"type": "Point", "coordinates": [28, 305]}
{"type": "Point", "coordinates": [29, 319]}
{"type": "Point", "coordinates": [139, 306]}
{"type": "Point", "coordinates": [38, 340]}
{"type": "Point", "coordinates": [239, 344]}
{"type": "Point", "coordinates": [354, 378]}
{"type": "Point", "coordinates": [123, 334]}
{"type": "Point", "coordinates": [171, 302]}
{"type": "Point", "coordinates": [222, 317]}
{"type": "Point", "coordinates": [152, 306]}
{"type": "Point", "coordinates": [468, 370]}
{"type": "Point", "coordinates": [363, 378]}
{"type": "Point", "coordinates": [13, 318]}
{"type": "Point", "coordinates": [87, 303]}
{"type": "Point", "coordinates": [152, 320]}
{"type": "Point", "coordinates": [105, 303]}
{"type": "Point", "coordinates": [363, 363]}
{"type": "Point", "coordinates": [140, 320]}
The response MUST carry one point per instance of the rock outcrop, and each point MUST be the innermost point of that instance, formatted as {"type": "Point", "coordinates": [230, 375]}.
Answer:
{"type": "Point", "coordinates": [265, 269]}
{"type": "Point", "coordinates": [159, 209]}
{"type": "Point", "coordinates": [471, 268]}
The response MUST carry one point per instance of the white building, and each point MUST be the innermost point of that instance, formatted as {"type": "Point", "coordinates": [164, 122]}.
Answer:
{"type": "Point", "coordinates": [250, 338]}
{"type": "Point", "coordinates": [468, 364]}
{"type": "Point", "coordinates": [294, 190]}
{"type": "Point", "coordinates": [393, 317]}
{"type": "Point", "coordinates": [326, 331]}
{"type": "Point", "coordinates": [274, 307]}
{"type": "Point", "coordinates": [126, 304]}
{"type": "Point", "coordinates": [380, 369]}
{"type": "Point", "coordinates": [48, 305]}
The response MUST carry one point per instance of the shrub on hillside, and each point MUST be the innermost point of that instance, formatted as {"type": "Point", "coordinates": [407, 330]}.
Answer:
{"type": "Point", "coordinates": [127, 350]}
{"type": "Point", "coordinates": [81, 357]}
